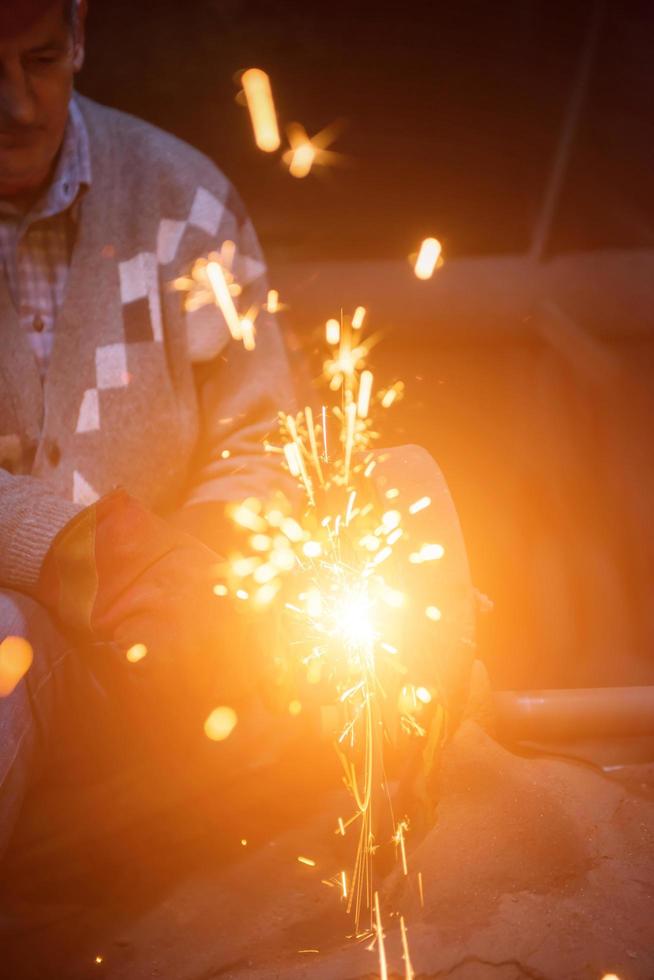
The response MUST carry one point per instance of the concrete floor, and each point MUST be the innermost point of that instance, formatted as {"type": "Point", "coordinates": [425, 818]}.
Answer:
{"type": "Point", "coordinates": [537, 866]}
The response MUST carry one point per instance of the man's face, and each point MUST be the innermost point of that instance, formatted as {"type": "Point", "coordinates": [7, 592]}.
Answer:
{"type": "Point", "coordinates": [37, 67]}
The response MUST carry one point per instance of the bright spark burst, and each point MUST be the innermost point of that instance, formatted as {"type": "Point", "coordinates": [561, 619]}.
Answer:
{"type": "Point", "coordinates": [338, 571]}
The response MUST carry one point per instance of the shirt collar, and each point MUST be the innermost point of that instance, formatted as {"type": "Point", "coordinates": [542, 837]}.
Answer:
{"type": "Point", "coordinates": [73, 170]}
{"type": "Point", "coordinates": [72, 173]}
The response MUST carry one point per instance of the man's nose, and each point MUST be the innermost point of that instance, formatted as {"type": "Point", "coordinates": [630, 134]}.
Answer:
{"type": "Point", "coordinates": [17, 105]}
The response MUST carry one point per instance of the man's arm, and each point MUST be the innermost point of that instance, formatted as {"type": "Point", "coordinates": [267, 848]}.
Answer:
{"type": "Point", "coordinates": [30, 518]}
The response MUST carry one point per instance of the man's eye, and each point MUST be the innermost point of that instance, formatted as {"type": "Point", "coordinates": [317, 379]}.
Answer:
{"type": "Point", "coordinates": [45, 59]}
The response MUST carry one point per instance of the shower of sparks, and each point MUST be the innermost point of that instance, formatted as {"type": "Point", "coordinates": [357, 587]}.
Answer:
{"type": "Point", "coordinates": [428, 256]}
{"type": "Point", "coordinates": [258, 95]}
{"type": "Point", "coordinates": [212, 282]}
{"type": "Point", "coordinates": [337, 572]}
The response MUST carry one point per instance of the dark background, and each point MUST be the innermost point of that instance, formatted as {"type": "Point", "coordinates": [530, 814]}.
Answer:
{"type": "Point", "coordinates": [529, 379]}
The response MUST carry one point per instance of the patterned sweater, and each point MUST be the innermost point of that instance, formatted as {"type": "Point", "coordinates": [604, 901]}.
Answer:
{"type": "Point", "coordinates": [138, 393]}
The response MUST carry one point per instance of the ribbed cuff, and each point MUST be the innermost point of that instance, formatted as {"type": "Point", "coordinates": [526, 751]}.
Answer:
{"type": "Point", "coordinates": [28, 533]}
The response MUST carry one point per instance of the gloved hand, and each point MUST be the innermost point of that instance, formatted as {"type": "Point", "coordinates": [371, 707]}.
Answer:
{"type": "Point", "coordinates": [118, 573]}
{"type": "Point", "coordinates": [438, 652]}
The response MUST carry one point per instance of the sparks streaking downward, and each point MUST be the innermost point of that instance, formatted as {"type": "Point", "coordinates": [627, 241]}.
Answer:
{"type": "Point", "coordinates": [338, 574]}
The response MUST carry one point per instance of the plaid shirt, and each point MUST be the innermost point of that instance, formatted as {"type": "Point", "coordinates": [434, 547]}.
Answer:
{"type": "Point", "coordinates": [35, 248]}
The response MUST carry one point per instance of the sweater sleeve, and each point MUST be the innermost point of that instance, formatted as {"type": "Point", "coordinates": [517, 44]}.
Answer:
{"type": "Point", "coordinates": [30, 518]}
{"type": "Point", "coordinates": [240, 393]}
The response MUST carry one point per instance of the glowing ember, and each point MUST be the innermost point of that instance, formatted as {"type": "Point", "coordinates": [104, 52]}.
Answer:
{"type": "Point", "coordinates": [358, 317]}
{"type": "Point", "coordinates": [306, 152]}
{"type": "Point", "coordinates": [136, 652]}
{"type": "Point", "coordinates": [332, 332]}
{"type": "Point", "coordinates": [419, 505]}
{"type": "Point", "coordinates": [224, 299]}
{"type": "Point", "coordinates": [308, 861]}
{"type": "Point", "coordinates": [258, 94]}
{"type": "Point", "coordinates": [220, 724]}
{"type": "Point", "coordinates": [272, 304]}
{"type": "Point", "coordinates": [428, 256]}
{"type": "Point", "coordinates": [408, 968]}
{"type": "Point", "coordinates": [383, 968]}
{"type": "Point", "coordinates": [15, 660]}
{"type": "Point", "coordinates": [302, 158]}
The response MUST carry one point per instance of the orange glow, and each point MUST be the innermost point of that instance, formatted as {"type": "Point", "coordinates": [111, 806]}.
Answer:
{"type": "Point", "coordinates": [136, 652]}
{"type": "Point", "coordinates": [272, 304]}
{"type": "Point", "coordinates": [308, 861]}
{"type": "Point", "coordinates": [15, 660]}
{"type": "Point", "coordinates": [428, 256]}
{"type": "Point", "coordinates": [433, 613]}
{"type": "Point", "coordinates": [220, 724]}
{"type": "Point", "coordinates": [224, 299]}
{"type": "Point", "coordinates": [258, 94]}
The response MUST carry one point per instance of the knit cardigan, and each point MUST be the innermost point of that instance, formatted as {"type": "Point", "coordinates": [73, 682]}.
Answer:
{"type": "Point", "coordinates": [139, 393]}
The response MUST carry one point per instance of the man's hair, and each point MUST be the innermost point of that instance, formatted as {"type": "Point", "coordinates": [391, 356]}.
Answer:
{"type": "Point", "coordinates": [18, 15]}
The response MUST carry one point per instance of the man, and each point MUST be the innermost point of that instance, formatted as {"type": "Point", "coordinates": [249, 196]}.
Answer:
{"type": "Point", "coordinates": [105, 383]}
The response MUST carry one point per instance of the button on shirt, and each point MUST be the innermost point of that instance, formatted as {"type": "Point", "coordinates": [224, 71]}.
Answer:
{"type": "Point", "coordinates": [35, 248]}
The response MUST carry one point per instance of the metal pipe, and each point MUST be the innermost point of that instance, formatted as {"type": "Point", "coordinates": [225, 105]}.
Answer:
{"type": "Point", "coordinates": [575, 713]}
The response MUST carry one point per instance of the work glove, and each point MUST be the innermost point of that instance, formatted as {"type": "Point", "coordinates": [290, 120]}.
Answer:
{"type": "Point", "coordinates": [120, 575]}
{"type": "Point", "coordinates": [438, 652]}
{"type": "Point", "coordinates": [434, 628]}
